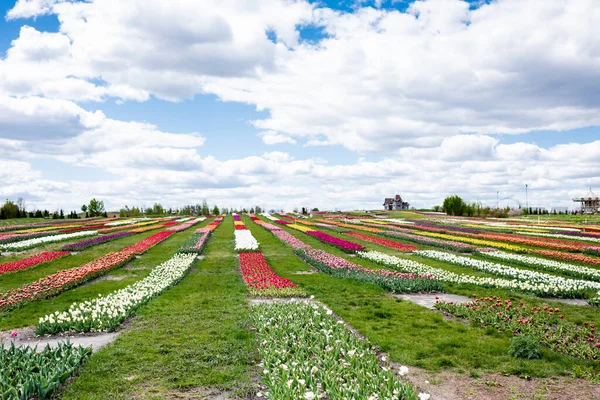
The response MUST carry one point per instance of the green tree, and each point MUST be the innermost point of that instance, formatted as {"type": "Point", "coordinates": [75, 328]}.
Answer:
{"type": "Point", "coordinates": [84, 208]}
{"type": "Point", "coordinates": [204, 210]}
{"type": "Point", "coordinates": [62, 214]}
{"type": "Point", "coordinates": [38, 214]}
{"type": "Point", "coordinates": [454, 205]}
{"type": "Point", "coordinates": [158, 209]}
{"type": "Point", "coordinates": [215, 210]}
{"type": "Point", "coordinates": [315, 209]}
{"type": "Point", "coordinates": [95, 208]}
{"type": "Point", "coordinates": [11, 210]}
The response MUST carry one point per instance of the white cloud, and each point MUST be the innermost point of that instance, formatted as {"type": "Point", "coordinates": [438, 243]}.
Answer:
{"type": "Point", "coordinates": [272, 137]}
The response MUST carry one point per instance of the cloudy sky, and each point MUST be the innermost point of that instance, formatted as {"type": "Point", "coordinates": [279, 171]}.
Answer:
{"type": "Point", "coordinates": [283, 103]}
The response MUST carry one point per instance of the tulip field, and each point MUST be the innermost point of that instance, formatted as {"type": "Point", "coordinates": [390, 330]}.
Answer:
{"type": "Point", "coordinates": [285, 306]}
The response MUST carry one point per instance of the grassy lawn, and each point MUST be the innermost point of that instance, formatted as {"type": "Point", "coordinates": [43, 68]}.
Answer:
{"type": "Point", "coordinates": [412, 334]}
{"type": "Point", "coordinates": [23, 221]}
{"type": "Point", "coordinates": [193, 338]}
{"type": "Point", "coordinates": [119, 278]}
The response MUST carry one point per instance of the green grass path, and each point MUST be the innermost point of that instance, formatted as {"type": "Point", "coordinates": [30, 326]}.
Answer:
{"type": "Point", "coordinates": [194, 337]}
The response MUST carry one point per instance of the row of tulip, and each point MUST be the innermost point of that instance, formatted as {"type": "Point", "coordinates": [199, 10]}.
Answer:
{"type": "Point", "coordinates": [32, 261]}
{"type": "Point", "coordinates": [262, 281]}
{"type": "Point", "coordinates": [186, 225]}
{"type": "Point", "coordinates": [31, 373]}
{"type": "Point", "coordinates": [301, 228]}
{"type": "Point", "coordinates": [244, 240]}
{"type": "Point", "coordinates": [342, 268]}
{"type": "Point", "coordinates": [35, 242]}
{"type": "Point", "coordinates": [344, 245]}
{"type": "Point", "coordinates": [475, 241]}
{"type": "Point", "coordinates": [212, 225]}
{"type": "Point", "coordinates": [354, 225]}
{"type": "Point", "coordinates": [282, 222]}
{"type": "Point", "coordinates": [569, 256]}
{"type": "Point", "coordinates": [307, 354]}
{"type": "Point", "coordinates": [196, 242]}
{"type": "Point", "coordinates": [106, 313]}
{"type": "Point", "coordinates": [594, 239]}
{"type": "Point", "coordinates": [444, 244]}
{"type": "Point", "coordinates": [269, 216]}
{"type": "Point", "coordinates": [54, 284]}
{"type": "Point", "coordinates": [565, 287]}
{"type": "Point", "coordinates": [18, 237]}
{"type": "Point", "coordinates": [78, 246]}
{"type": "Point", "coordinates": [390, 280]}
{"type": "Point", "coordinates": [577, 271]}
{"type": "Point", "coordinates": [553, 244]}
{"type": "Point", "coordinates": [545, 323]}
{"type": "Point", "coordinates": [333, 228]}
{"type": "Point", "coordinates": [383, 242]}
{"type": "Point", "coordinates": [401, 264]}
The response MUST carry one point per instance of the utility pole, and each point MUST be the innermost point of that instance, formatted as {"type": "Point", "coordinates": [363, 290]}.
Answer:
{"type": "Point", "coordinates": [526, 198]}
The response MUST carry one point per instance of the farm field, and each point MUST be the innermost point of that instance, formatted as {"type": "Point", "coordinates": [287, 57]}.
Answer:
{"type": "Point", "coordinates": [402, 305]}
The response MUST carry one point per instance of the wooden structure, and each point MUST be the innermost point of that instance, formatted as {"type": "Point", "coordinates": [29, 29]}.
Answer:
{"type": "Point", "coordinates": [395, 203]}
{"type": "Point", "coordinates": [590, 204]}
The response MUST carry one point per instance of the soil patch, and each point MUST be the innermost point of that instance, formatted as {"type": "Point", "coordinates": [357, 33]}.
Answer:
{"type": "Point", "coordinates": [25, 337]}
{"type": "Point", "coordinates": [573, 302]}
{"type": "Point", "coordinates": [428, 299]}
{"type": "Point", "coordinates": [448, 385]}
{"type": "Point", "coordinates": [105, 278]}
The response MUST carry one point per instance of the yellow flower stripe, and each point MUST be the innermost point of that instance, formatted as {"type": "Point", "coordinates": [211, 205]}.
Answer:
{"type": "Point", "coordinates": [300, 228]}
{"type": "Point", "coordinates": [238, 223]}
{"type": "Point", "coordinates": [477, 242]}
{"type": "Point", "coordinates": [351, 226]}
{"type": "Point", "coordinates": [47, 228]}
{"type": "Point", "coordinates": [507, 227]}
{"type": "Point", "coordinates": [375, 221]}
{"type": "Point", "coordinates": [303, 222]}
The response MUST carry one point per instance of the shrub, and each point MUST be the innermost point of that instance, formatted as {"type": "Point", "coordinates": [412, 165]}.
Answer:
{"type": "Point", "coordinates": [525, 346]}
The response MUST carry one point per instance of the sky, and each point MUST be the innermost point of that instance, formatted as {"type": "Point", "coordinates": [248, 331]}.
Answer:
{"type": "Point", "coordinates": [292, 103]}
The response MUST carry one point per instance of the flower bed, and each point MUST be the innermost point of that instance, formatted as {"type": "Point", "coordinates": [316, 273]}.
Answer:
{"type": "Point", "coordinates": [594, 251]}
{"type": "Point", "coordinates": [185, 225]}
{"type": "Point", "coordinates": [333, 228]}
{"type": "Point", "coordinates": [390, 280]}
{"type": "Point", "coordinates": [30, 243]}
{"type": "Point", "coordinates": [344, 245]}
{"type": "Point", "coordinates": [444, 244]}
{"type": "Point", "coordinates": [475, 241]}
{"type": "Point", "coordinates": [240, 227]}
{"type": "Point", "coordinates": [307, 354]}
{"type": "Point", "coordinates": [568, 256]}
{"type": "Point", "coordinates": [282, 222]}
{"type": "Point", "coordinates": [196, 242]}
{"type": "Point", "coordinates": [544, 323]}
{"type": "Point", "coordinates": [262, 280]}
{"type": "Point", "coordinates": [587, 238]}
{"type": "Point", "coordinates": [27, 373]}
{"type": "Point", "coordinates": [565, 287]}
{"type": "Point", "coordinates": [244, 241]}
{"type": "Point", "coordinates": [577, 271]}
{"type": "Point", "coordinates": [105, 313]}
{"type": "Point", "coordinates": [32, 261]}
{"type": "Point", "coordinates": [537, 288]}
{"type": "Point", "coordinates": [300, 228]}
{"type": "Point", "coordinates": [18, 237]}
{"type": "Point", "coordinates": [78, 246]}
{"type": "Point", "coordinates": [54, 284]}
{"type": "Point", "coordinates": [387, 243]}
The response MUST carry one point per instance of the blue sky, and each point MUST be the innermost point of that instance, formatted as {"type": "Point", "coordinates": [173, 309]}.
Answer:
{"type": "Point", "coordinates": [379, 117]}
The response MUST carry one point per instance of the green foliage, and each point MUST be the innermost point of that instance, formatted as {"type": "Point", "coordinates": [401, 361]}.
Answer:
{"type": "Point", "coordinates": [26, 374]}
{"type": "Point", "coordinates": [96, 208]}
{"type": "Point", "coordinates": [215, 210]}
{"type": "Point", "coordinates": [204, 210]}
{"type": "Point", "coordinates": [454, 205]}
{"type": "Point", "coordinates": [525, 346]}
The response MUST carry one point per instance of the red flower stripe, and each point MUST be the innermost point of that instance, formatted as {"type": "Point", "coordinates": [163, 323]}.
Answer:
{"type": "Point", "coordinates": [258, 275]}
{"type": "Point", "coordinates": [65, 279]}
{"type": "Point", "coordinates": [34, 260]}
{"type": "Point", "coordinates": [383, 242]}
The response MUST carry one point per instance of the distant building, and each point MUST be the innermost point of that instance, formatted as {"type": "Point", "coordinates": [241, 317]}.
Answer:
{"type": "Point", "coordinates": [590, 204]}
{"type": "Point", "coordinates": [395, 203]}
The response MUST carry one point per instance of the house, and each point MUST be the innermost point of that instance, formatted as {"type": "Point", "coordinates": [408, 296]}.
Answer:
{"type": "Point", "coordinates": [395, 203]}
{"type": "Point", "coordinates": [590, 204]}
